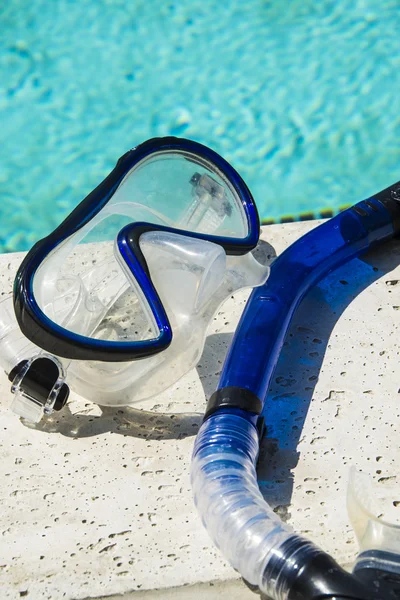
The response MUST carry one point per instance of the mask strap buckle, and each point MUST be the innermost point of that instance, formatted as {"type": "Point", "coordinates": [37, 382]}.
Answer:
{"type": "Point", "coordinates": [39, 387]}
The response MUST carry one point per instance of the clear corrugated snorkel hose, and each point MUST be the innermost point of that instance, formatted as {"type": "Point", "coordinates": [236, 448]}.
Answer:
{"type": "Point", "coordinates": [266, 551]}
{"type": "Point", "coordinates": [242, 525]}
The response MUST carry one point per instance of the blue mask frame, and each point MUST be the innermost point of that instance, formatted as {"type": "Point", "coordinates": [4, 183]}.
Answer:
{"type": "Point", "coordinates": [53, 338]}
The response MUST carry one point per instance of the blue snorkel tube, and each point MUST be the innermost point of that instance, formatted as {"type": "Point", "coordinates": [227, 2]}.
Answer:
{"type": "Point", "coordinates": [266, 551]}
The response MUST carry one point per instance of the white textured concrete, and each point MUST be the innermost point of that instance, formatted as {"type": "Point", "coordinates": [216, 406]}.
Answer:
{"type": "Point", "coordinates": [97, 502]}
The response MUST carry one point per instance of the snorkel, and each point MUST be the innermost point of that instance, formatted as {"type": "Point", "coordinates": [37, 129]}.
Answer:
{"type": "Point", "coordinates": [267, 552]}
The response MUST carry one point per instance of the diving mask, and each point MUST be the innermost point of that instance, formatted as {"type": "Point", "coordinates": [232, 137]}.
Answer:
{"type": "Point", "coordinates": [116, 301]}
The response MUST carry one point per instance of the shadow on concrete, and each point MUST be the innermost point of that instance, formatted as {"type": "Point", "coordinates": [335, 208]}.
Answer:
{"type": "Point", "coordinates": [297, 371]}
{"type": "Point", "coordinates": [126, 421]}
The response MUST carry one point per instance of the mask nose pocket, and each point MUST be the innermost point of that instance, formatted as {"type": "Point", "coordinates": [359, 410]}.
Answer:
{"type": "Point", "coordinates": [186, 272]}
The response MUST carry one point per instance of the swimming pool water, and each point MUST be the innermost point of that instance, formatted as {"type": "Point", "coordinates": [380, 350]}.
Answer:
{"type": "Point", "coordinates": [301, 96]}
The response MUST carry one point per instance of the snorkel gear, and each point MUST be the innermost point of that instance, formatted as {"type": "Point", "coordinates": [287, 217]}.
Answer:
{"type": "Point", "coordinates": [122, 319]}
{"type": "Point", "coordinates": [266, 551]}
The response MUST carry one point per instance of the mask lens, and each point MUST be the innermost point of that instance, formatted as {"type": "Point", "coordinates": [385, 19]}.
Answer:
{"type": "Point", "coordinates": [83, 289]}
{"type": "Point", "coordinates": [186, 192]}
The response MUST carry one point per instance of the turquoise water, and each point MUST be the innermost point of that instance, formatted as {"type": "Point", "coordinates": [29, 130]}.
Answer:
{"type": "Point", "coordinates": [301, 96]}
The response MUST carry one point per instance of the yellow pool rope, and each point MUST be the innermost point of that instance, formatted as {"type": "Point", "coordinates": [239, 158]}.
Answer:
{"type": "Point", "coordinates": [324, 213]}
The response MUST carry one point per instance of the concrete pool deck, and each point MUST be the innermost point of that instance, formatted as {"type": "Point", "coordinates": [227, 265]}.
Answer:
{"type": "Point", "coordinates": [96, 502]}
